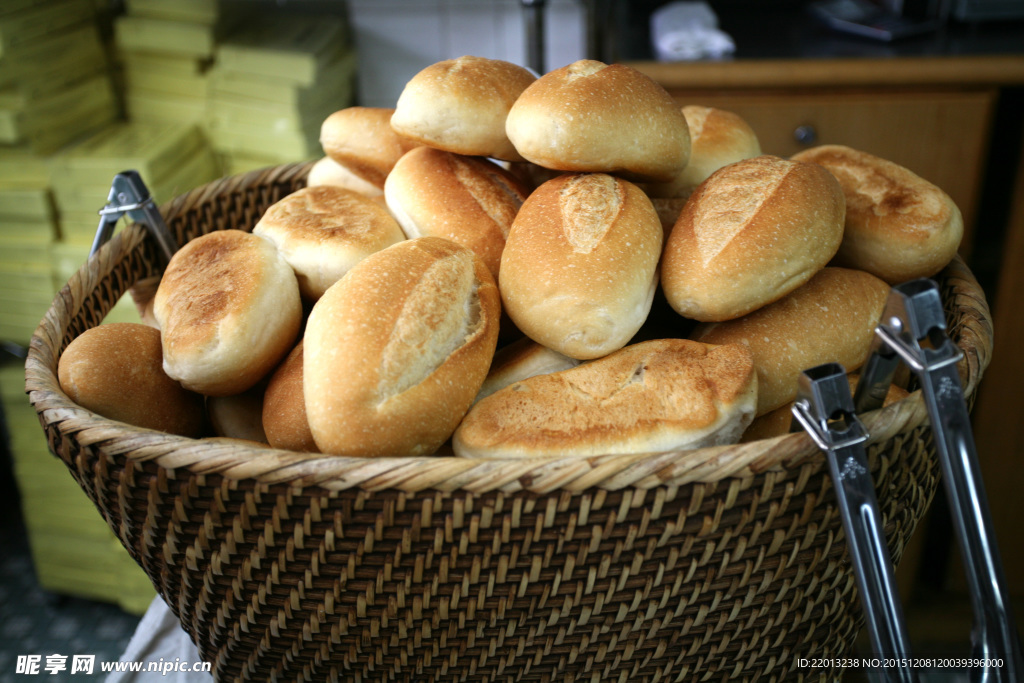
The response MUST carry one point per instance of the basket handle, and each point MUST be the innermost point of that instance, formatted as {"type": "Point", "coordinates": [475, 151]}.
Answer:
{"type": "Point", "coordinates": [129, 195]}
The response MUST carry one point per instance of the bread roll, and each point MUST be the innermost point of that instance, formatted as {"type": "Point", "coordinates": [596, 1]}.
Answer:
{"type": "Point", "coordinates": [239, 416]}
{"type": "Point", "coordinates": [717, 138]}
{"type": "Point", "coordinates": [460, 105]}
{"type": "Point", "coordinates": [395, 351]}
{"type": "Point", "coordinates": [519, 360]}
{"type": "Point", "coordinates": [323, 231]}
{"type": "Point", "coordinates": [655, 396]}
{"type": "Point", "coordinates": [116, 370]}
{"type": "Point", "coordinates": [327, 171]}
{"type": "Point", "coordinates": [779, 421]}
{"type": "Point", "coordinates": [362, 140]}
{"type": "Point", "coordinates": [830, 319]}
{"type": "Point", "coordinates": [750, 234]}
{"type": "Point", "coordinates": [899, 226]}
{"type": "Point", "coordinates": [592, 117]}
{"type": "Point", "coordinates": [580, 265]}
{"type": "Point", "coordinates": [229, 309]}
{"type": "Point", "coordinates": [468, 200]}
{"type": "Point", "coordinates": [284, 407]}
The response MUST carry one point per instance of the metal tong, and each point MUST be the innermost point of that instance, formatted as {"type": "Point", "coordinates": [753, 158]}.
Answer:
{"type": "Point", "coordinates": [913, 331]}
{"type": "Point", "coordinates": [130, 196]}
{"type": "Point", "coordinates": [824, 409]}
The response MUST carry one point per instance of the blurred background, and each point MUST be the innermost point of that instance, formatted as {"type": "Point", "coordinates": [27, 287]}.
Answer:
{"type": "Point", "coordinates": [187, 91]}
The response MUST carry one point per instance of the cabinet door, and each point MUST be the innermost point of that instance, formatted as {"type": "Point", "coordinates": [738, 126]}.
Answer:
{"type": "Point", "coordinates": [941, 136]}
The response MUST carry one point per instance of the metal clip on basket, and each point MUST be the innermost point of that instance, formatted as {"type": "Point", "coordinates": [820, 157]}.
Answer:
{"type": "Point", "coordinates": [912, 331]}
{"type": "Point", "coordinates": [130, 196]}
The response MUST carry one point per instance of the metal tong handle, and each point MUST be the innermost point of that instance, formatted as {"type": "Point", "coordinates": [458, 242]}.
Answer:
{"type": "Point", "coordinates": [824, 408]}
{"type": "Point", "coordinates": [129, 195]}
{"type": "Point", "coordinates": [914, 314]}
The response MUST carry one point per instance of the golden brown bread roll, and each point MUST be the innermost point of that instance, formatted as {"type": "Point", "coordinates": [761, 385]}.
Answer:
{"type": "Point", "coordinates": [659, 395]}
{"type": "Point", "coordinates": [469, 200]}
{"type": "Point", "coordinates": [362, 140]}
{"type": "Point", "coordinates": [751, 233]}
{"type": "Point", "coordinates": [284, 407]}
{"type": "Point", "coordinates": [830, 319]}
{"type": "Point", "coordinates": [116, 370]}
{"type": "Point", "coordinates": [229, 309]}
{"type": "Point", "coordinates": [717, 138]}
{"type": "Point", "coordinates": [395, 351]}
{"type": "Point", "coordinates": [594, 117]}
{"type": "Point", "coordinates": [460, 105]}
{"type": "Point", "coordinates": [323, 231]}
{"type": "Point", "coordinates": [580, 266]}
{"type": "Point", "coordinates": [899, 226]}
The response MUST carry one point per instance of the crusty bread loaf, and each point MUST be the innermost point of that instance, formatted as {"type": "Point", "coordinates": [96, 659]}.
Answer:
{"type": "Point", "coordinates": [362, 140]}
{"type": "Point", "coordinates": [460, 105]}
{"type": "Point", "coordinates": [323, 231]}
{"type": "Point", "coordinates": [779, 421]}
{"type": "Point", "coordinates": [717, 138]}
{"type": "Point", "coordinates": [395, 351]}
{"type": "Point", "coordinates": [655, 396]}
{"type": "Point", "coordinates": [580, 265]}
{"type": "Point", "coordinates": [229, 309]}
{"type": "Point", "coordinates": [830, 319]}
{"type": "Point", "coordinates": [116, 370]}
{"type": "Point", "coordinates": [751, 233]}
{"type": "Point", "coordinates": [899, 226]}
{"type": "Point", "coordinates": [593, 117]}
{"type": "Point", "coordinates": [239, 416]}
{"type": "Point", "coordinates": [519, 360]}
{"type": "Point", "coordinates": [327, 171]}
{"type": "Point", "coordinates": [469, 200]}
{"type": "Point", "coordinates": [284, 407]}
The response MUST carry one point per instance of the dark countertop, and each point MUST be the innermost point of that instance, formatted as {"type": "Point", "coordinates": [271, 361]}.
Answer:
{"type": "Point", "coordinates": [786, 30]}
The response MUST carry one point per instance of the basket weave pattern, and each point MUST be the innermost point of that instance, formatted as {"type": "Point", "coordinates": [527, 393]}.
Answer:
{"type": "Point", "coordinates": [720, 563]}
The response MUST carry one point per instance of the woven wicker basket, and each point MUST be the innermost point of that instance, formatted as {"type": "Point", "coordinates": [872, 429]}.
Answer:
{"type": "Point", "coordinates": [720, 563]}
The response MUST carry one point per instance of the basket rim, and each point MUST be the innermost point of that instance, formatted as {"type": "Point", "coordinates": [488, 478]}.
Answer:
{"type": "Point", "coordinates": [240, 461]}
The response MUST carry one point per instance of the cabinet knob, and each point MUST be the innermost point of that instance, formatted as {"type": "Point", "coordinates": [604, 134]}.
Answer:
{"type": "Point", "coordinates": [806, 134]}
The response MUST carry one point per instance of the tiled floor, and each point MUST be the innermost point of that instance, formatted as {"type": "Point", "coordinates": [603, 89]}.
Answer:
{"type": "Point", "coordinates": [34, 621]}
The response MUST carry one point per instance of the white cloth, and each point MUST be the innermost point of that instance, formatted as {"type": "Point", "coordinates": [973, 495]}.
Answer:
{"type": "Point", "coordinates": [159, 639]}
{"type": "Point", "coordinates": [687, 31]}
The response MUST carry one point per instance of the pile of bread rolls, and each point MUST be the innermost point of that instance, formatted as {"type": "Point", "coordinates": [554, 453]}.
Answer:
{"type": "Point", "coordinates": [513, 266]}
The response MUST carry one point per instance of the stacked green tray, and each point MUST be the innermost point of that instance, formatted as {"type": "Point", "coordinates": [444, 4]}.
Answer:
{"type": "Point", "coordinates": [274, 80]}
{"type": "Point", "coordinates": [55, 80]}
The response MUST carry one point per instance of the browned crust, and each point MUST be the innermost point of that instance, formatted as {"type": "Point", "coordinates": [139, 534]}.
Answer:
{"type": "Point", "coordinates": [830, 319]}
{"type": "Point", "coordinates": [284, 407]}
{"type": "Point", "coordinates": [460, 105]}
{"type": "Point", "coordinates": [213, 286]}
{"type": "Point", "coordinates": [579, 264]}
{"type": "Point", "coordinates": [362, 140]}
{"type": "Point", "coordinates": [751, 233]}
{"type": "Point", "coordinates": [625, 402]}
{"type": "Point", "coordinates": [899, 226]}
{"type": "Point", "coordinates": [378, 329]}
{"type": "Point", "coordinates": [469, 200]}
{"type": "Point", "coordinates": [717, 138]}
{"type": "Point", "coordinates": [116, 370]}
{"type": "Point", "coordinates": [593, 117]}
